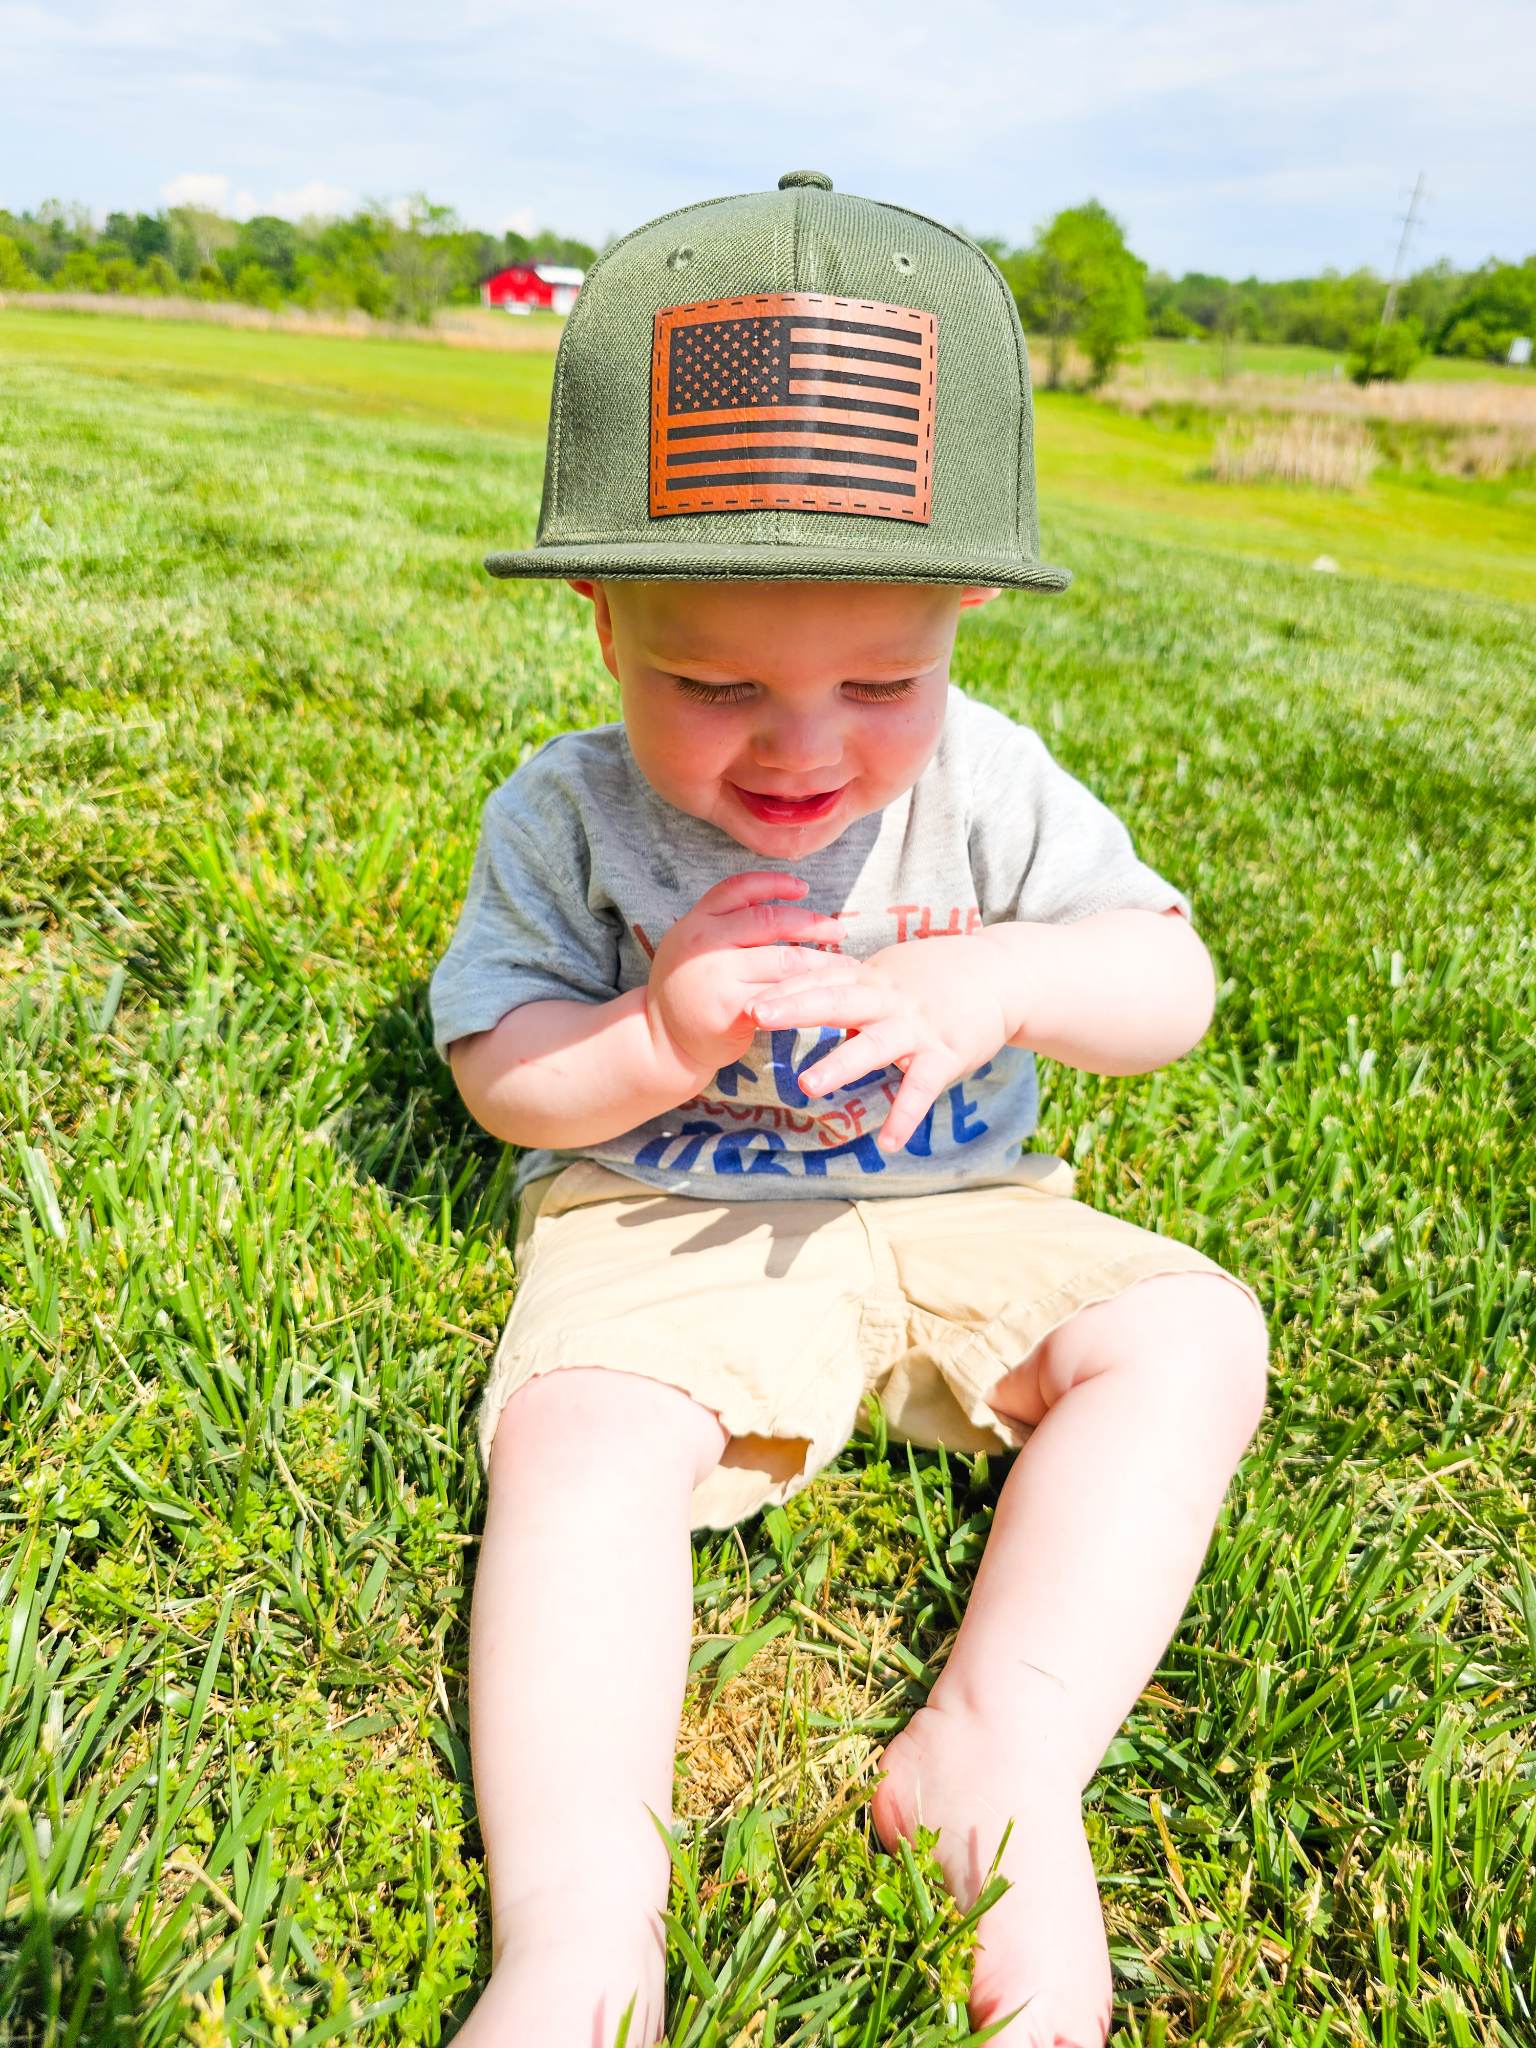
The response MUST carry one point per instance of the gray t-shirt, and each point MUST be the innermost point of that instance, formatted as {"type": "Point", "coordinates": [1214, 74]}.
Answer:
{"type": "Point", "coordinates": [582, 867]}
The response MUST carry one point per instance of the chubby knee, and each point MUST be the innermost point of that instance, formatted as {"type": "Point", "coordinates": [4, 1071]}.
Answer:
{"type": "Point", "coordinates": [1199, 1326]}
{"type": "Point", "coordinates": [602, 1416]}
{"type": "Point", "coordinates": [1229, 1336]}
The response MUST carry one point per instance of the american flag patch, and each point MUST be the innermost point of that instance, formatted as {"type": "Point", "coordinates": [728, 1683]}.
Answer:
{"type": "Point", "coordinates": [793, 399]}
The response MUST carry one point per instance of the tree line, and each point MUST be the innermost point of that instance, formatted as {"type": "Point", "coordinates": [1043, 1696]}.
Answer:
{"type": "Point", "coordinates": [1078, 282]}
{"type": "Point", "coordinates": [1079, 286]}
{"type": "Point", "coordinates": [393, 263]}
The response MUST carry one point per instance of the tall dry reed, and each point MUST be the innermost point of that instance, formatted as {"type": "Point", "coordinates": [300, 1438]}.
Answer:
{"type": "Point", "coordinates": [1335, 454]}
{"type": "Point", "coordinates": [1480, 402]}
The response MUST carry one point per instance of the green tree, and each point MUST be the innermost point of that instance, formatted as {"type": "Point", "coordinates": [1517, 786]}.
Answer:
{"type": "Point", "coordinates": [1499, 303]}
{"type": "Point", "coordinates": [79, 272]}
{"type": "Point", "coordinates": [254, 285]}
{"type": "Point", "coordinates": [121, 274]}
{"type": "Point", "coordinates": [14, 273]}
{"type": "Point", "coordinates": [1079, 281]}
{"type": "Point", "coordinates": [423, 258]}
{"type": "Point", "coordinates": [272, 242]}
{"type": "Point", "coordinates": [197, 236]}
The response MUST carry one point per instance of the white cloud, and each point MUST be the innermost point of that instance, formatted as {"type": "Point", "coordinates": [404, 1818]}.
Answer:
{"type": "Point", "coordinates": [318, 198]}
{"type": "Point", "coordinates": [1226, 134]}
{"type": "Point", "coordinates": [207, 189]}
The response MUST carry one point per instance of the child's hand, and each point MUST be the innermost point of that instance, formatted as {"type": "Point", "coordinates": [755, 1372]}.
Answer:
{"type": "Point", "coordinates": [935, 1007]}
{"type": "Point", "coordinates": [718, 958]}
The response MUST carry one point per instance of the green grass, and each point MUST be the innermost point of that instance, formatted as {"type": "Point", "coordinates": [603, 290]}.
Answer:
{"type": "Point", "coordinates": [1143, 477]}
{"type": "Point", "coordinates": [253, 1258]}
{"type": "Point", "coordinates": [498, 388]}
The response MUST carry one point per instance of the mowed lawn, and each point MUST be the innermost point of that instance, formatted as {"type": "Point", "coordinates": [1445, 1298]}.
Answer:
{"type": "Point", "coordinates": [253, 1258]}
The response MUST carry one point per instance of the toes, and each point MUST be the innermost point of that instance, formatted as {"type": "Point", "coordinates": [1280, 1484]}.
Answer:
{"type": "Point", "coordinates": [894, 1804]}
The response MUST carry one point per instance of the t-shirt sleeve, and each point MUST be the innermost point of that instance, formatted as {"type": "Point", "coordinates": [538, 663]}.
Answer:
{"type": "Point", "coordinates": [526, 933]}
{"type": "Point", "coordinates": [1044, 849]}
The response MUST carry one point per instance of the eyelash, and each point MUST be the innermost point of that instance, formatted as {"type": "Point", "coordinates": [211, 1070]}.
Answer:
{"type": "Point", "coordinates": [732, 693]}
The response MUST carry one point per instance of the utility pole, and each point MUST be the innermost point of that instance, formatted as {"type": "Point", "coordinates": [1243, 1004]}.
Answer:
{"type": "Point", "coordinates": [1410, 222]}
{"type": "Point", "coordinates": [1389, 304]}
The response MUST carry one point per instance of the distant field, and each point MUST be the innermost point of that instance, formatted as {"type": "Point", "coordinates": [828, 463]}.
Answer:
{"type": "Point", "coordinates": [254, 689]}
{"type": "Point", "coordinates": [299, 372]}
{"type": "Point", "coordinates": [1197, 359]}
{"type": "Point", "coordinates": [1139, 477]}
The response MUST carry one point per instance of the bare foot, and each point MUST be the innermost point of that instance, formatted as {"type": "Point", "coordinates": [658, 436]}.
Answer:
{"type": "Point", "coordinates": [569, 1965]}
{"type": "Point", "coordinates": [1042, 1945]}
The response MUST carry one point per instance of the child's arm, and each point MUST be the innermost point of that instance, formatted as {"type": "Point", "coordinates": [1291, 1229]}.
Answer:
{"type": "Point", "coordinates": [562, 1074]}
{"type": "Point", "coordinates": [1117, 993]}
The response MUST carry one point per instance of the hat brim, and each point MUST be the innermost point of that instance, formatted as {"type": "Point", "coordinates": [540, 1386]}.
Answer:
{"type": "Point", "coordinates": [768, 562]}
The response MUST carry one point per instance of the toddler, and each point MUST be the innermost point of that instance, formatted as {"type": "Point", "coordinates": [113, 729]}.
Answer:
{"type": "Point", "coordinates": [757, 978]}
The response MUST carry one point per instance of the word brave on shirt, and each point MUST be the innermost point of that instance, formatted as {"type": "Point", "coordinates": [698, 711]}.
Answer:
{"type": "Point", "coordinates": [756, 1143]}
{"type": "Point", "coordinates": [751, 1140]}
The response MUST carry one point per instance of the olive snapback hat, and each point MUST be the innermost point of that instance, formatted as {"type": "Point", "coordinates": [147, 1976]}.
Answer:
{"type": "Point", "coordinates": [796, 385]}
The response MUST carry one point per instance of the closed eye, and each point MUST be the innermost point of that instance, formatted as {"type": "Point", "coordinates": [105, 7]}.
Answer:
{"type": "Point", "coordinates": [732, 693]}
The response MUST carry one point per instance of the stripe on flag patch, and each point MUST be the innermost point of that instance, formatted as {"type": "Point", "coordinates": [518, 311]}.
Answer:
{"type": "Point", "coordinates": [795, 399]}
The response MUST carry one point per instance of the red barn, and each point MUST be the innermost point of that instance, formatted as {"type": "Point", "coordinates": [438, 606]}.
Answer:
{"type": "Point", "coordinates": [532, 288]}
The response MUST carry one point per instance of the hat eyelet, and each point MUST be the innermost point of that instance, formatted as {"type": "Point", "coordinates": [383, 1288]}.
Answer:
{"type": "Point", "coordinates": [680, 258]}
{"type": "Point", "coordinates": [901, 259]}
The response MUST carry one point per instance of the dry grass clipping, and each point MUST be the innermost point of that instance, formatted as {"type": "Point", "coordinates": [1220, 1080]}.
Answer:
{"type": "Point", "coordinates": [755, 1742]}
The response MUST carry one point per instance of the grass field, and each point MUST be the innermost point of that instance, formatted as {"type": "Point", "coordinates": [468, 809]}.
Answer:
{"type": "Point", "coordinates": [1198, 359]}
{"type": "Point", "coordinates": [1142, 477]}
{"type": "Point", "coordinates": [253, 1258]}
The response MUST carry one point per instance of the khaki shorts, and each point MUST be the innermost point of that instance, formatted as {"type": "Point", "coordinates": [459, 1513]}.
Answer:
{"type": "Point", "coordinates": [781, 1316]}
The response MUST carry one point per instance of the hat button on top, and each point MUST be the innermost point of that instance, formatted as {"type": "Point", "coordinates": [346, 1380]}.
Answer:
{"type": "Point", "coordinates": [817, 178]}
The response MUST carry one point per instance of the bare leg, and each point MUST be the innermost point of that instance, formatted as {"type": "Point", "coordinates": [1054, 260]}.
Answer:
{"type": "Point", "coordinates": [1143, 1406]}
{"type": "Point", "coordinates": [579, 1640]}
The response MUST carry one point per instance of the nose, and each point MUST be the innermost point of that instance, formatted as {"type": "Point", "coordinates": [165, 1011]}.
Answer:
{"type": "Point", "coordinates": [797, 743]}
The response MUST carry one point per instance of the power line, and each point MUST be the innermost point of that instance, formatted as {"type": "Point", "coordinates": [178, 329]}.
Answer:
{"type": "Point", "coordinates": [1410, 222]}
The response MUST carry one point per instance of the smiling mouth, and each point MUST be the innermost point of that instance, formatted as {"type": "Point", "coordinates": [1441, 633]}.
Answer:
{"type": "Point", "coordinates": [778, 808]}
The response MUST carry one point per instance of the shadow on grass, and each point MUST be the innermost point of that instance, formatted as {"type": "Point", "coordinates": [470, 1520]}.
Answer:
{"type": "Point", "coordinates": [404, 1126]}
{"type": "Point", "coordinates": [76, 1981]}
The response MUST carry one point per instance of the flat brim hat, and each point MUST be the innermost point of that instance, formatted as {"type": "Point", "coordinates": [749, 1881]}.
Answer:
{"type": "Point", "coordinates": [795, 385]}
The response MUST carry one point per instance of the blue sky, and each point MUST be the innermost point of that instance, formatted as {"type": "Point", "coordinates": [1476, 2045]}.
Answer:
{"type": "Point", "coordinates": [1272, 137]}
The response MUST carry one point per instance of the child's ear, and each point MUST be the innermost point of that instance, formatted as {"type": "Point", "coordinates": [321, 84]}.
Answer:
{"type": "Point", "coordinates": [602, 619]}
{"type": "Point", "coordinates": [978, 593]}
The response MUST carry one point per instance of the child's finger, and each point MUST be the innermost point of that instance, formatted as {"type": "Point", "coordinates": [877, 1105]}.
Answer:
{"type": "Point", "coordinates": [791, 967]}
{"type": "Point", "coordinates": [793, 972]}
{"type": "Point", "coordinates": [760, 924]}
{"type": "Point", "coordinates": [852, 1003]}
{"type": "Point", "coordinates": [927, 1076]}
{"type": "Point", "coordinates": [752, 885]}
{"type": "Point", "coordinates": [856, 1056]}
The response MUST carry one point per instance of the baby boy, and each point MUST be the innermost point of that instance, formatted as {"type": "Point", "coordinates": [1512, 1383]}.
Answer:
{"type": "Point", "coordinates": [757, 978]}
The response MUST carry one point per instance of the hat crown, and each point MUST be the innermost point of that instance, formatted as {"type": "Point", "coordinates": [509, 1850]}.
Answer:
{"type": "Point", "coordinates": [793, 383]}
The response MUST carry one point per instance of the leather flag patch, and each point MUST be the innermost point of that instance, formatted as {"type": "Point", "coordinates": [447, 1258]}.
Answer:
{"type": "Point", "coordinates": [795, 399]}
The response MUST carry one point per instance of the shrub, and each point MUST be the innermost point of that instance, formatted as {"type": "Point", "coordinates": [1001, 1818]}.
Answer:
{"type": "Point", "coordinates": [121, 274]}
{"type": "Point", "coordinates": [255, 285]}
{"type": "Point", "coordinates": [79, 272]}
{"type": "Point", "coordinates": [1386, 353]}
